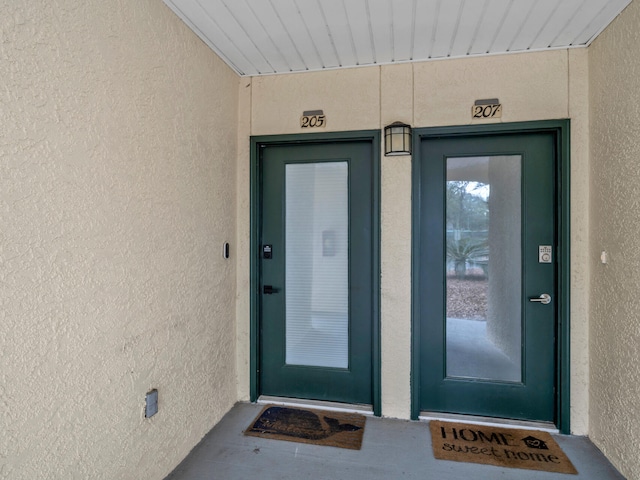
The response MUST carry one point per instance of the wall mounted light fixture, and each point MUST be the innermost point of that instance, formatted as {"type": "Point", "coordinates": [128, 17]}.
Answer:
{"type": "Point", "coordinates": [397, 139]}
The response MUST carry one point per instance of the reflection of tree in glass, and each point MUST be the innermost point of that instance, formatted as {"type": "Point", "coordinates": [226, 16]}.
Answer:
{"type": "Point", "coordinates": [467, 225]}
{"type": "Point", "coordinates": [467, 206]}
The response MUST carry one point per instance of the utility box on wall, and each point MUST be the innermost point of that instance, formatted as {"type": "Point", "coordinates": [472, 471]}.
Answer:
{"type": "Point", "coordinates": [151, 406]}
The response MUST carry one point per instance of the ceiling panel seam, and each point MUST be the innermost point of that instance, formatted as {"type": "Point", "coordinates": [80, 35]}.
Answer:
{"type": "Point", "coordinates": [500, 26]}
{"type": "Point", "coordinates": [286, 30]}
{"type": "Point", "coordinates": [277, 49]}
{"type": "Point", "coordinates": [321, 61]}
{"type": "Point", "coordinates": [526, 19]}
{"type": "Point", "coordinates": [350, 29]}
{"type": "Point", "coordinates": [373, 43]}
{"type": "Point", "coordinates": [588, 26]}
{"type": "Point", "coordinates": [231, 41]}
{"type": "Point", "coordinates": [413, 29]}
{"type": "Point", "coordinates": [567, 23]}
{"type": "Point", "coordinates": [477, 29]}
{"type": "Point", "coordinates": [331, 39]}
{"type": "Point", "coordinates": [391, 33]}
{"type": "Point", "coordinates": [434, 30]}
{"type": "Point", "coordinates": [250, 37]}
{"type": "Point", "coordinates": [544, 24]}
{"type": "Point", "coordinates": [457, 26]}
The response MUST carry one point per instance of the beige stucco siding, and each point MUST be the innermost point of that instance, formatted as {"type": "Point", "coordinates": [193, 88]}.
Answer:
{"type": "Point", "coordinates": [530, 87]}
{"type": "Point", "coordinates": [242, 254]}
{"type": "Point", "coordinates": [614, 67]}
{"type": "Point", "coordinates": [579, 227]}
{"type": "Point", "coordinates": [117, 191]}
{"type": "Point", "coordinates": [396, 99]}
{"type": "Point", "coordinates": [119, 185]}
{"type": "Point", "coordinates": [279, 101]}
{"type": "Point", "coordinates": [535, 86]}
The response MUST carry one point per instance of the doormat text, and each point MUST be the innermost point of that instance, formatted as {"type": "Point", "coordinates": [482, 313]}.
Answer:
{"type": "Point", "coordinates": [505, 447]}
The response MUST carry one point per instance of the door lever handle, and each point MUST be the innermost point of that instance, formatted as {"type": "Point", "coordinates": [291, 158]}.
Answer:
{"type": "Point", "coordinates": [268, 289]}
{"type": "Point", "coordinates": [544, 299]}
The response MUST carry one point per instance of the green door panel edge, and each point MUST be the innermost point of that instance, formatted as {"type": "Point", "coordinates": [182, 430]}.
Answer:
{"type": "Point", "coordinates": [561, 129]}
{"type": "Point", "coordinates": [259, 142]}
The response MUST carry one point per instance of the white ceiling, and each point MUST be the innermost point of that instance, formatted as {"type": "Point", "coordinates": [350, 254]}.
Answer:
{"type": "Point", "coordinates": [261, 37]}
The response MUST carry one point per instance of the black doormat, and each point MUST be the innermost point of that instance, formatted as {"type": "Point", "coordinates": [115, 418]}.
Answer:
{"type": "Point", "coordinates": [318, 427]}
{"type": "Point", "coordinates": [503, 447]}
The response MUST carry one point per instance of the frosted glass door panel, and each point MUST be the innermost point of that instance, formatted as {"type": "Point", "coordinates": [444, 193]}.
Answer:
{"type": "Point", "coordinates": [317, 264]}
{"type": "Point", "coordinates": [483, 274]}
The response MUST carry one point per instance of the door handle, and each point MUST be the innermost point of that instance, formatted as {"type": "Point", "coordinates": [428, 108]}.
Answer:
{"type": "Point", "coordinates": [268, 289]}
{"type": "Point", "coordinates": [544, 299]}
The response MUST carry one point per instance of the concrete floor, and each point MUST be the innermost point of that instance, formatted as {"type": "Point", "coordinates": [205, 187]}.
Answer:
{"type": "Point", "coordinates": [391, 449]}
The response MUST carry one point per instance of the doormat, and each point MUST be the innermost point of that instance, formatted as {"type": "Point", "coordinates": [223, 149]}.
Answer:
{"type": "Point", "coordinates": [318, 427]}
{"type": "Point", "coordinates": [503, 447]}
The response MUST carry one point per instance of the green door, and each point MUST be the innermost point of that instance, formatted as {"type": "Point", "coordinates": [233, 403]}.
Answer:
{"type": "Point", "coordinates": [316, 271]}
{"type": "Point", "coordinates": [487, 275]}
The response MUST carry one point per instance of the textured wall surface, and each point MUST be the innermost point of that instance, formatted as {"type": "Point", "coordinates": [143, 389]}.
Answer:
{"type": "Point", "coordinates": [243, 242]}
{"type": "Point", "coordinates": [396, 104]}
{"type": "Point", "coordinates": [117, 190]}
{"type": "Point", "coordinates": [533, 86]}
{"type": "Point", "coordinates": [580, 271]}
{"type": "Point", "coordinates": [614, 67]}
{"type": "Point", "coordinates": [348, 97]}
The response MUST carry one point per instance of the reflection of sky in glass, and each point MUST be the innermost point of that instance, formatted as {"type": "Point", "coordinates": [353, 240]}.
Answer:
{"type": "Point", "coordinates": [480, 189]}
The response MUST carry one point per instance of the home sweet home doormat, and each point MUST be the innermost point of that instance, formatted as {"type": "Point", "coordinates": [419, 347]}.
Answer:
{"type": "Point", "coordinates": [503, 447]}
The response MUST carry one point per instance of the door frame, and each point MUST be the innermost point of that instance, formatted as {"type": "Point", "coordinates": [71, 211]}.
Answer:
{"type": "Point", "coordinates": [561, 130]}
{"type": "Point", "coordinates": [257, 144]}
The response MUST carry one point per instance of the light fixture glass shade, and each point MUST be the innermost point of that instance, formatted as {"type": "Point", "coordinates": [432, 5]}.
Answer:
{"type": "Point", "coordinates": [397, 139]}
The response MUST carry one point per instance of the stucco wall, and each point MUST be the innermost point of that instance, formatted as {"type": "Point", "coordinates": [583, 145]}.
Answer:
{"type": "Point", "coordinates": [614, 67]}
{"type": "Point", "coordinates": [117, 191]}
{"type": "Point", "coordinates": [533, 86]}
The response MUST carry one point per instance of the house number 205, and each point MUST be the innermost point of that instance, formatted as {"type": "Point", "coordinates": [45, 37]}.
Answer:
{"type": "Point", "coordinates": [313, 121]}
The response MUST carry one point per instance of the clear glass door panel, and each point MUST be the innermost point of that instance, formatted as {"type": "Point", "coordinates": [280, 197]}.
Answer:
{"type": "Point", "coordinates": [317, 264]}
{"type": "Point", "coordinates": [483, 268]}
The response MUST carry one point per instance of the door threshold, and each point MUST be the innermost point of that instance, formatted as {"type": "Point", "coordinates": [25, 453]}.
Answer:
{"type": "Point", "coordinates": [318, 404]}
{"type": "Point", "coordinates": [489, 421]}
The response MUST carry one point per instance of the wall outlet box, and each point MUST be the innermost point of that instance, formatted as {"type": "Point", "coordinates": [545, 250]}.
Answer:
{"type": "Point", "coordinates": [151, 407]}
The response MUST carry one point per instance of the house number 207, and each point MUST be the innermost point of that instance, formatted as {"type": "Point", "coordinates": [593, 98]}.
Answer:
{"type": "Point", "coordinates": [486, 111]}
{"type": "Point", "coordinates": [313, 121]}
